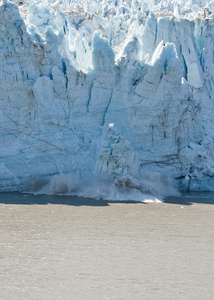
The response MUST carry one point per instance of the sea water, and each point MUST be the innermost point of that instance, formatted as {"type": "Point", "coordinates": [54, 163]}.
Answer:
{"type": "Point", "coordinates": [54, 247]}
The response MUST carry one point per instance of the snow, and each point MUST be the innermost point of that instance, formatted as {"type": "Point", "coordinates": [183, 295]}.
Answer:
{"type": "Point", "coordinates": [107, 99]}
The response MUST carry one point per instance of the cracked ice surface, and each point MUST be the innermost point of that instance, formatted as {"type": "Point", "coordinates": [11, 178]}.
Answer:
{"type": "Point", "coordinates": [107, 99]}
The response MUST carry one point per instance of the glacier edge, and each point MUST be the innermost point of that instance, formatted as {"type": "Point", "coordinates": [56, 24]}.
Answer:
{"type": "Point", "coordinates": [82, 105]}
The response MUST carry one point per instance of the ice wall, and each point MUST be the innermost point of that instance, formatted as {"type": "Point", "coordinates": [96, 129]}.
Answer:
{"type": "Point", "coordinates": [115, 91]}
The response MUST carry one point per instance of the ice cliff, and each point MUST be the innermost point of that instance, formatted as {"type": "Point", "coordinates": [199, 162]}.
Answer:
{"type": "Point", "coordinates": [107, 99]}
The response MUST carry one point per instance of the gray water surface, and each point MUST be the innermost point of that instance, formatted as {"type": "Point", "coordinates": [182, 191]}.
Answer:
{"type": "Point", "coordinates": [55, 247]}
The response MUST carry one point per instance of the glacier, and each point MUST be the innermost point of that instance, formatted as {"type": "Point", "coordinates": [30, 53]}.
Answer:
{"type": "Point", "coordinates": [107, 99]}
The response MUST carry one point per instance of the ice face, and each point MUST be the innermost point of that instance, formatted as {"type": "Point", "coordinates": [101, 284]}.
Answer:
{"type": "Point", "coordinates": [108, 99]}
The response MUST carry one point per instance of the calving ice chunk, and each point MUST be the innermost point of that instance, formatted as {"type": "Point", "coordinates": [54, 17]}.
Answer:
{"type": "Point", "coordinates": [107, 99]}
{"type": "Point", "coordinates": [117, 157]}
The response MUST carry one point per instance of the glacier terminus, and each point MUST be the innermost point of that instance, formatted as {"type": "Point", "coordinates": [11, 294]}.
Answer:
{"type": "Point", "coordinates": [110, 99]}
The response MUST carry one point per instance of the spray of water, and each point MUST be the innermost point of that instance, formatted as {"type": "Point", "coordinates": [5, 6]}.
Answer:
{"type": "Point", "coordinates": [151, 188]}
